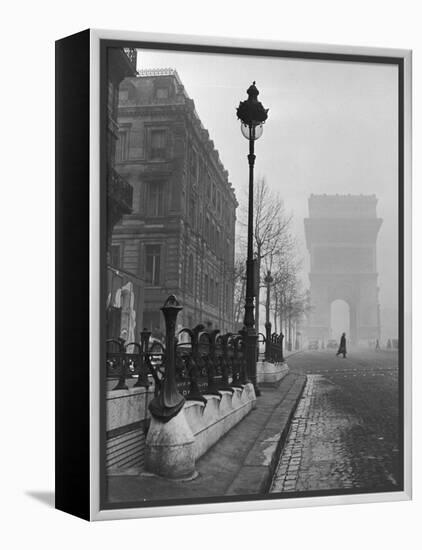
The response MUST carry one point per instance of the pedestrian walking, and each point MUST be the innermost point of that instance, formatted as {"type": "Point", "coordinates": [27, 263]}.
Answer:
{"type": "Point", "coordinates": [342, 346]}
{"type": "Point", "coordinates": [377, 345]}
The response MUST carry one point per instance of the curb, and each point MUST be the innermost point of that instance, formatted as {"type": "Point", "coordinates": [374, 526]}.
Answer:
{"type": "Point", "coordinates": [256, 474]}
{"type": "Point", "coordinates": [281, 442]}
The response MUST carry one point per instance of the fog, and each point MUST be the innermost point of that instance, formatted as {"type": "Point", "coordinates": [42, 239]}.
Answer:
{"type": "Point", "coordinates": [332, 128]}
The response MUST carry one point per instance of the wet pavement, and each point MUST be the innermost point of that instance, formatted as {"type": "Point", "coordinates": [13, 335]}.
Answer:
{"type": "Point", "coordinates": [345, 431]}
{"type": "Point", "coordinates": [240, 463]}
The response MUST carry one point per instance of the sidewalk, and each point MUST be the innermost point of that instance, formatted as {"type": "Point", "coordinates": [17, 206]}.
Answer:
{"type": "Point", "coordinates": [241, 463]}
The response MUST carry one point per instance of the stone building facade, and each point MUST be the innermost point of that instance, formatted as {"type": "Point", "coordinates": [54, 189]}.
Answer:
{"type": "Point", "coordinates": [125, 291]}
{"type": "Point", "coordinates": [341, 235]}
{"type": "Point", "coordinates": [179, 237]}
{"type": "Point", "coordinates": [121, 63]}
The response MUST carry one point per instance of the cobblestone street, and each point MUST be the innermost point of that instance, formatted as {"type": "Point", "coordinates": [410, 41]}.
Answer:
{"type": "Point", "coordinates": [345, 431]}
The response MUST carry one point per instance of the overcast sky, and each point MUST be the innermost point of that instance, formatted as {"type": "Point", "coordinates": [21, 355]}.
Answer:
{"type": "Point", "coordinates": [332, 128]}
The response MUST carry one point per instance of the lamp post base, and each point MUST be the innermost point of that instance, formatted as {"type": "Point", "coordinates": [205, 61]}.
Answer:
{"type": "Point", "coordinates": [170, 448]}
{"type": "Point", "coordinates": [251, 357]}
{"type": "Point", "coordinates": [269, 373]}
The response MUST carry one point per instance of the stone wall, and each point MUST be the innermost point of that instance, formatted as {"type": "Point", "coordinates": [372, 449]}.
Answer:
{"type": "Point", "coordinates": [270, 373]}
{"type": "Point", "coordinates": [127, 423]}
{"type": "Point", "coordinates": [210, 421]}
{"type": "Point", "coordinates": [128, 420]}
{"type": "Point", "coordinates": [172, 447]}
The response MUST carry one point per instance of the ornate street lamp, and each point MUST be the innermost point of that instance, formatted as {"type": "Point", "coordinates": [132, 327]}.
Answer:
{"type": "Point", "coordinates": [252, 116]}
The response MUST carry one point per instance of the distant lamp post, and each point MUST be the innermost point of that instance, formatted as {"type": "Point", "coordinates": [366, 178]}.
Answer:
{"type": "Point", "coordinates": [268, 280]}
{"type": "Point", "coordinates": [252, 116]}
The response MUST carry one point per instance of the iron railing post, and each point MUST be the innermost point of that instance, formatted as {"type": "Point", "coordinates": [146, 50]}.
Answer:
{"type": "Point", "coordinates": [224, 361]}
{"type": "Point", "coordinates": [243, 372]}
{"type": "Point", "coordinates": [268, 353]}
{"type": "Point", "coordinates": [268, 280]}
{"type": "Point", "coordinates": [194, 364]}
{"type": "Point", "coordinates": [143, 381]}
{"type": "Point", "coordinates": [121, 383]}
{"type": "Point", "coordinates": [281, 346]}
{"type": "Point", "coordinates": [212, 363]}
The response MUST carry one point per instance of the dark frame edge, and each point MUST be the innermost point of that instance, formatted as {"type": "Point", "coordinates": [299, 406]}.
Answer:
{"type": "Point", "coordinates": [72, 156]}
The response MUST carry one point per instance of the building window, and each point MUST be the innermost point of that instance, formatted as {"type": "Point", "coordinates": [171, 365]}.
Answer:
{"type": "Point", "coordinates": [208, 185]}
{"type": "Point", "coordinates": [155, 199]}
{"type": "Point", "coordinates": [123, 96]}
{"type": "Point", "coordinates": [151, 321]}
{"type": "Point", "coordinates": [191, 213]}
{"type": "Point", "coordinates": [158, 144]}
{"type": "Point", "coordinates": [193, 164]}
{"type": "Point", "coordinates": [206, 289]}
{"type": "Point", "coordinates": [152, 264]}
{"type": "Point", "coordinates": [212, 236]}
{"type": "Point", "coordinates": [122, 146]}
{"type": "Point", "coordinates": [115, 255]}
{"type": "Point", "coordinates": [190, 274]}
{"type": "Point", "coordinates": [162, 93]}
{"type": "Point", "coordinates": [207, 229]}
{"type": "Point", "coordinates": [228, 251]}
{"type": "Point", "coordinates": [201, 171]}
{"type": "Point", "coordinates": [211, 293]}
{"type": "Point", "coordinates": [111, 104]}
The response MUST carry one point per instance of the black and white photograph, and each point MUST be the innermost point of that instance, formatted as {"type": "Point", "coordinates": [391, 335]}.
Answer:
{"type": "Point", "coordinates": [211, 275]}
{"type": "Point", "coordinates": [252, 298]}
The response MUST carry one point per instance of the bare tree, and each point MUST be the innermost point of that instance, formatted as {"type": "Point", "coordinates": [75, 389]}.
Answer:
{"type": "Point", "coordinates": [270, 231]}
{"type": "Point", "coordinates": [288, 297]}
{"type": "Point", "coordinates": [291, 300]}
{"type": "Point", "coordinates": [239, 287]}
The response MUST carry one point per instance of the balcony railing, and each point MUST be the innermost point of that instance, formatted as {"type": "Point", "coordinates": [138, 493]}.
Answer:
{"type": "Point", "coordinates": [120, 191]}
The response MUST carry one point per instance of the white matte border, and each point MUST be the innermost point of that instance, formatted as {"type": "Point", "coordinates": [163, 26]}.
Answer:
{"type": "Point", "coordinates": [407, 267]}
{"type": "Point", "coordinates": [174, 510]}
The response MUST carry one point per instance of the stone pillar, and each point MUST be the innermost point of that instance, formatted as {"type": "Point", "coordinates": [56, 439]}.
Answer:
{"type": "Point", "coordinates": [169, 447]}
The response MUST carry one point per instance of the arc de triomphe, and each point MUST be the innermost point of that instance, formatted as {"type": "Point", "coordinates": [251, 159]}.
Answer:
{"type": "Point", "coordinates": [341, 234]}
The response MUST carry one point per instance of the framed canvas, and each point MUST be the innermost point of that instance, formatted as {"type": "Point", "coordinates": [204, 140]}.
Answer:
{"type": "Point", "coordinates": [233, 279]}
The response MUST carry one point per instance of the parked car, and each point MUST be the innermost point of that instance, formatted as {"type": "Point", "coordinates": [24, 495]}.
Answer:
{"type": "Point", "coordinates": [313, 344]}
{"type": "Point", "coordinates": [332, 344]}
